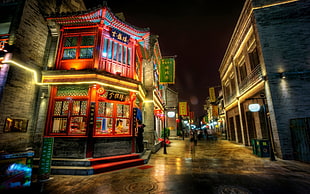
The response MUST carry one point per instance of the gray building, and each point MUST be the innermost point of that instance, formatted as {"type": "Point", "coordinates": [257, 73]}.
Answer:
{"type": "Point", "coordinates": [267, 62]}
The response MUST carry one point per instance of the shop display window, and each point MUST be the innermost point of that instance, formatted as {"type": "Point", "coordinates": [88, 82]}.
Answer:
{"type": "Point", "coordinates": [69, 112]}
{"type": "Point", "coordinates": [104, 120]}
{"type": "Point", "coordinates": [112, 119]}
{"type": "Point", "coordinates": [74, 111]}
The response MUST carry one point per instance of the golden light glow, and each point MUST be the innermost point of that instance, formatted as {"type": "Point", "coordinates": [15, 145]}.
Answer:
{"type": "Point", "coordinates": [35, 74]}
{"type": "Point", "coordinates": [117, 82]}
{"type": "Point", "coordinates": [157, 101]}
{"type": "Point", "coordinates": [248, 94]}
{"type": "Point", "coordinates": [275, 4]}
{"type": "Point", "coordinates": [141, 92]}
{"type": "Point", "coordinates": [89, 76]}
{"type": "Point", "coordinates": [91, 82]}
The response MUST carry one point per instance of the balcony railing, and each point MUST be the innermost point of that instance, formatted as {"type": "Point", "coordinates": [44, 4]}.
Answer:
{"type": "Point", "coordinates": [253, 78]}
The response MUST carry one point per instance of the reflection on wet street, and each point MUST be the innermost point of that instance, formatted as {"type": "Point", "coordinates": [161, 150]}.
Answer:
{"type": "Point", "coordinates": [208, 167]}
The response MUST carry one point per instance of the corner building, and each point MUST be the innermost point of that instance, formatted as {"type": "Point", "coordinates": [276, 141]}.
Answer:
{"type": "Point", "coordinates": [267, 63]}
{"type": "Point", "coordinates": [94, 84]}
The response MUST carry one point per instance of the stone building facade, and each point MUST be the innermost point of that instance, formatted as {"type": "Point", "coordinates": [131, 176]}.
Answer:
{"type": "Point", "coordinates": [25, 33]}
{"type": "Point", "coordinates": [267, 62]}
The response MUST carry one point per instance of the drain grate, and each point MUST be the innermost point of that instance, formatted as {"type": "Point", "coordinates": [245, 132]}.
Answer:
{"type": "Point", "coordinates": [139, 187]}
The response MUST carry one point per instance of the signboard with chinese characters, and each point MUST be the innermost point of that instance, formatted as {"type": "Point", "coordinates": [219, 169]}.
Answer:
{"type": "Point", "coordinates": [46, 158]}
{"type": "Point", "coordinates": [212, 94]}
{"type": "Point", "coordinates": [120, 36]}
{"type": "Point", "coordinates": [183, 109]}
{"type": "Point", "coordinates": [167, 71]}
{"type": "Point", "coordinates": [116, 96]}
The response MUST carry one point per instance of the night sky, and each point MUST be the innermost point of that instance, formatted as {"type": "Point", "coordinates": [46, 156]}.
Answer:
{"type": "Point", "coordinates": [197, 31]}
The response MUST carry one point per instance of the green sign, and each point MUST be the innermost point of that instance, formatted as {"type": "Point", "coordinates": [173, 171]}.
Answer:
{"type": "Point", "coordinates": [46, 158]}
{"type": "Point", "coordinates": [167, 71]}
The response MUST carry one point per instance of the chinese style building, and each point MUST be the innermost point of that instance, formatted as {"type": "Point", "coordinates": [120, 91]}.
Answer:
{"type": "Point", "coordinates": [266, 64]}
{"type": "Point", "coordinates": [94, 84]}
{"type": "Point", "coordinates": [82, 78]}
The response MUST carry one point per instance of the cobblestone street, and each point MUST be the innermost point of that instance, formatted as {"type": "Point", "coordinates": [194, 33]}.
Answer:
{"type": "Point", "coordinates": [209, 167]}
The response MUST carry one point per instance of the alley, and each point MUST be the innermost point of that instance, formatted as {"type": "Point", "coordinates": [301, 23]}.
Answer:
{"type": "Point", "coordinates": [208, 167]}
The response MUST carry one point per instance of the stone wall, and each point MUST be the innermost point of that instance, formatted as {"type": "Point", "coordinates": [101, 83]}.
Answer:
{"type": "Point", "coordinates": [112, 147]}
{"type": "Point", "coordinates": [18, 102]}
{"type": "Point", "coordinates": [285, 38]}
{"type": "Point", "coordinates": [20, 95]}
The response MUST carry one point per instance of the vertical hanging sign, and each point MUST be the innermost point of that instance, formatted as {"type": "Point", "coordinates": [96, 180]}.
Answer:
{"type": "Point", "coordinates": [46, 158]}
{"type": "Point", "coordinates": [183, 109]}
{"type": "Point", "coordinates": [212, 94]}
{"type": "Point", "coordinates": [167, 71]}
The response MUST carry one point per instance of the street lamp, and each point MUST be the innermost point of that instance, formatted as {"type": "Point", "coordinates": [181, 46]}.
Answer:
{"type": "Point", "coordinates": [272, 157]}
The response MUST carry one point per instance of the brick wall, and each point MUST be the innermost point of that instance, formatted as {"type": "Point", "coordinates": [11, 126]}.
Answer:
{"type": "Point", "coordinates": [285, 38]}
{"type": "Point", "coordinates": [21, 96]}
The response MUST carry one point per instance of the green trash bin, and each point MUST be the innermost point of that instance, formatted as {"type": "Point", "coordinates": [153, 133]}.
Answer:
{"type": "Point", "coordinates": [254, 147]}
{"type": "Point", "coordinates": [263, 147]}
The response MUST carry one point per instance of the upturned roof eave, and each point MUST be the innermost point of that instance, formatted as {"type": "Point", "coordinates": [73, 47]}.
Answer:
{"type": "Point", "coordinates": [97, 16]}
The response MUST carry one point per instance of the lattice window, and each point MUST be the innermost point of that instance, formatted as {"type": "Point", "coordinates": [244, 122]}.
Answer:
{"type": "Point", "coordinates": [72, 91]}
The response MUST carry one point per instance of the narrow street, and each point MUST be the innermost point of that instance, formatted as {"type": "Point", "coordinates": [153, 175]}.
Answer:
{"type": "Point", "coordinates": [209, 167]}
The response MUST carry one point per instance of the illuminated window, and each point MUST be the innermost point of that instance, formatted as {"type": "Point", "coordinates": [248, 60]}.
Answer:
{"type": "Point", "coordinates": [129, 56]}
{"type": "Point", "coordinates": [104, 121]}
{"type": "Point", "coordinates": [116, 51]}
{"type": "Point", "coordinates": [69, 115]}
{"type": "Point", "coordinates": [112, 119]}
{"type": "Point", "coordinates": [81, 47]}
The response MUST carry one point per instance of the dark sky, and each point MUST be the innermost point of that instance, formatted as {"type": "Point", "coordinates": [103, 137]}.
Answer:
{"type": "Point", "coordinates": [197, 31]}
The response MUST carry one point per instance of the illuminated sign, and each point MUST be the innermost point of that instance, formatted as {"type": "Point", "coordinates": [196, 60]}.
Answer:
{"type": "Point", "coordinates": [212, 94]}
{"type": "Point", "coordinates": [116, 96]}
{"type": "Point", "coordinates": [183, 109]}
{"type": "Point", "coordinates": [171, 114]}
{"type": "Point", "coordinates": [254, 107]}
{"type": "Point", "coordinates": [46, 158]}
{"type": "Point", "coordinates": [167, 71]}
{"type": "Point", "coordinates": [120, 36]}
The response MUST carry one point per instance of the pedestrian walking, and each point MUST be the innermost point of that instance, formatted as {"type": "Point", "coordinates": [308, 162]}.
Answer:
{"type": "Point", "coordinates": [195, 137]}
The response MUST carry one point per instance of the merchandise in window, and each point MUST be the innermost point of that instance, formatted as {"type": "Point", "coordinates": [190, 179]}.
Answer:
{"type": "Point", "coordinates": [122, 120]}
{"type": "Point", "coordinates": [112, 119]}
{"type": "Point", "coordinates": [104, 121]}
{"type": "Point", "coordinates": [73, 111]}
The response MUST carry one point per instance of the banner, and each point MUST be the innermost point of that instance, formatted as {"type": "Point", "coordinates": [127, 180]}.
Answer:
{"type": "Point", "coordinates": [183, 109]}
{"type": "Point", "coordinates": [212, 94]}
{"type": "Point", "coordinates": [167, 71]}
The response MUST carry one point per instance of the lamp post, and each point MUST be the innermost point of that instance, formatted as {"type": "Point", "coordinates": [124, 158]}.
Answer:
{"type": "Point", "coordinates": [165, 146]}
{"type": "Point", "coordinates": [263, 98]}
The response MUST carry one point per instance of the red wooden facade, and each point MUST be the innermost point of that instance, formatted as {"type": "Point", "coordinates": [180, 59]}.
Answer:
{"type": "Point", "coordinates": [97, 78]}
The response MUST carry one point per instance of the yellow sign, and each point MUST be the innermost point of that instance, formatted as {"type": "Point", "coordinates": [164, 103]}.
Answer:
{"type": "Point", "coordinates": [212, 94]}
{"type": "Point", "coordinates": [183, 109]}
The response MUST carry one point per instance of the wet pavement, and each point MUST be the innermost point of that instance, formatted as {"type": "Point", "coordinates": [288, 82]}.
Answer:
{"type": "Point", "coordinates": [208, 167]}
